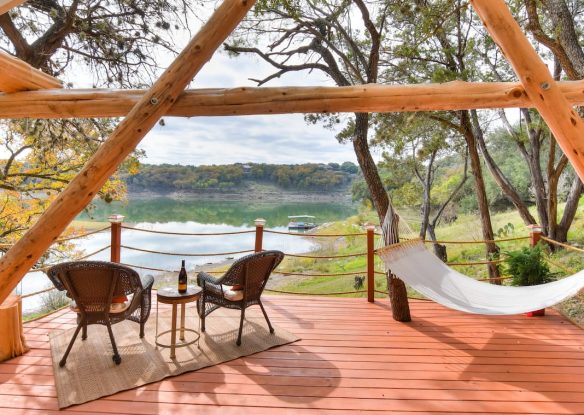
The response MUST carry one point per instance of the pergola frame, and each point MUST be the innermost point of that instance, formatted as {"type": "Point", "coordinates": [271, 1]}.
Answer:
{"type": "Point", "coordinates": [28, 93]}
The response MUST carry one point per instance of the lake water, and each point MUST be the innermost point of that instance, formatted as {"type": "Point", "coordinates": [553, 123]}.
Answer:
{"type": "Point", "coordinates": [192, 216]}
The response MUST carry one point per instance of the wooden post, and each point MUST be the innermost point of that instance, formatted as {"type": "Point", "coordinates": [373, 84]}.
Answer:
{"type": "Point", "coordinates": [124, 139]}
{"type": "Point", "coordinates": [259, 235]}
{"type": "Point", "coordinates": [17, 75]}
{"type": "Point", "coordinates": [534, 234]}
{"type": "Point", "coordinates": [371, 264]}
{"type": "Point", "coordinates": [116, 231]}
{"type": "Point", "coordinates": [565, 124]}
{"type": "Point", "coordinates": [6, 5]}
{"type": "Point", "coordinates": [455, 95]}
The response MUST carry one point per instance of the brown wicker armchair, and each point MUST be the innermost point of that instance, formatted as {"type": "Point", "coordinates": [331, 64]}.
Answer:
{"type": "Point", "coordinates": [251, 274]}
{"type": "Point", "coordinates": [93, 285]}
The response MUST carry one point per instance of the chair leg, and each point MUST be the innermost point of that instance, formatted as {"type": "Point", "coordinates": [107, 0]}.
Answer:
{"type": "Point", "coordinates": [64, 359]}
{"type": "Point", "coordinates": [116, 357]}
{"type": "Point", "coordinates": [142, 324]}
{"type": "Point", "coordinates": [241, 326]}
{"type": "Point", "coordinates": [202, 313]}
{"type": "Point", "coordinates": [266, 316]}
{"type": "Point", "coordinates": [84, 334]}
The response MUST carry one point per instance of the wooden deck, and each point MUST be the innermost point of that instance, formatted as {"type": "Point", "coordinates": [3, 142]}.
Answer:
{"type": "Point", "coordinates": [352, 357]}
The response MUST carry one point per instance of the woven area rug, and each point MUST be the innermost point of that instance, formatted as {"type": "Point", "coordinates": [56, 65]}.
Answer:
{"type": "Point", "coordinates": [90, 372]}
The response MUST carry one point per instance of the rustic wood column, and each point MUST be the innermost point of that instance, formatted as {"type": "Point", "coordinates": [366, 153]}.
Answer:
{"type": "Point", "coordinates": [116, 237]}
{"type": "Point", "coordinates": [565, 124]}
{"type": "Point", "coordinates": [6, 5]}
{"type": "Point", "coordinates": [534, 234]}
{"type": "Point", "coordinates": [82, 189]}
{"type": "Point", "coordinates": [371, 264]}
{"type": "Point", "coordinates": [259, 234]}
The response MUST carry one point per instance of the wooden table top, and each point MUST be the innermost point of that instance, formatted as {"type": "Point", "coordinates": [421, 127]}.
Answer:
{"type": "Point", "coordinates": [170, 295]}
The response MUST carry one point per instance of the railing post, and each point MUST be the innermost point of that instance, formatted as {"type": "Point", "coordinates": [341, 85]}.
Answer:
{"type": "Point", "coordinates": [116, 231]}
{"type": "Point", "coordinates": [259, 235]}
{"type": "Point", "coordinates": [534, 234]}
{"type": "Point", "coordinates": [371, 264]}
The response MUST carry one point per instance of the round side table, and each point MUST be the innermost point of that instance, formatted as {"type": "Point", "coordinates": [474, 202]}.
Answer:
{"type": "Point", "coordinates": [170, 295]}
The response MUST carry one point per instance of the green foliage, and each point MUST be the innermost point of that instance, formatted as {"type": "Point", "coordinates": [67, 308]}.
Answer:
{"type": "Point", "coordinates": [310, 177]}
{"type": "Point", "coordinates": [505, 230]}
{"type": "Point", "coordinates": [528, 267]}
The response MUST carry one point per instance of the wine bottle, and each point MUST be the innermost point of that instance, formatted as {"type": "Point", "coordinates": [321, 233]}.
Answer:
{"type": "Point", "coordinates": [182, 279]}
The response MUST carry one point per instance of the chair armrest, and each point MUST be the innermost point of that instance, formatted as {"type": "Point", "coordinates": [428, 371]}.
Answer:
{"type": "Point", "coordinates": [208, 278]}
{"type": "Point", "coordinates": [147, 281]}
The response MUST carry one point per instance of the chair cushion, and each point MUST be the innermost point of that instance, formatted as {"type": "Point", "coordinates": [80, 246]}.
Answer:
{"type": "Point", "coordinates": [229, 293]}
{"type": "Point", "coordinates": [114, 308]}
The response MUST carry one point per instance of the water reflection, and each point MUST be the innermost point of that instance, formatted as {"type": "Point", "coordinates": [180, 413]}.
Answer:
{"type": "Point", "coordinates": [193, 216]}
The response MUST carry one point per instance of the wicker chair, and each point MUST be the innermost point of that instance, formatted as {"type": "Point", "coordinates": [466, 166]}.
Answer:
{"type": "Point", "coordinates": [251, 273]}
{"type": "Point", "coordinates": [93, 285]}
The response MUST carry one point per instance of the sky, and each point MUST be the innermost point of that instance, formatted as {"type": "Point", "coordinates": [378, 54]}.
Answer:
{"type": "Point", "coordinates": [280, 139]}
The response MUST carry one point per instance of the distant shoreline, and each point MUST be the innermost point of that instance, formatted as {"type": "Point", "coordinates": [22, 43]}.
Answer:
{"type": "Point", "coordinates": [264, 195]}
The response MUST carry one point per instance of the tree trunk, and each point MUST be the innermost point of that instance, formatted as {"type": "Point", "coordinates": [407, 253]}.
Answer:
{"type": "Point", "coordinates": [502, 181]}
{"type": "Point", "coordinates": [398, 294]}
{"type": "Point", "coordinates": [569, 210]}
{"type": "Point", "coordinates": [561, 18]}
{"type": "Point", "coordinates": [439, 249]}
{"type": "Point", "coordinates": [425, 213]}
{"type": "Point", "coordinates": [492, 250]}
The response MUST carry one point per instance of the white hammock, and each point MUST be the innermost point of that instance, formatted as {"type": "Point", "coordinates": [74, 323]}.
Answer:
{"type": "Point", "coordinates": [428, 275]}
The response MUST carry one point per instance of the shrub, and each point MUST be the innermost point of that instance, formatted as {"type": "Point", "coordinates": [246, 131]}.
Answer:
{"type": "Point", "coordinates": [53, 300]}
{"type": "Point", "coordinates": [528, 267]}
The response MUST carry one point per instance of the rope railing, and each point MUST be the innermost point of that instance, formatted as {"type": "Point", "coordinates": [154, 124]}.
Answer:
{"type": "Point", "coordinates": [326, 256]}
{"type": "Point", "coordinates": [494, 261]}
{"type": "Point", "coordinates": [308, 255]}
{"type": "Point", "coordinates": [162, 269]}
{"type": "Point", "coordinates": [314, 294]}
{"type": "Point", "coordinates": [564, 245]}
{"type": "Point", "coordinates": [315, 235]}
{"type": "Point", "coordinates": [46, 268]}
{"type": "Point", "coordinates": [338, 274]}
{"type": "Point", "coordinates": [481, 241]}
{"type": "Point", "coordinates": [561, 266]}
{"type": "Point", "coordinates": [133, 248]}
{"type": "Point", "coordinates": [83, 235]}
{"type": "Point", "coordinates": [131, 228]}
{"type": "Point", "coordinates": [495, 279]}
{"type": "Point", "coordinates": [68, 238]}
{"type": "Point", "coordinates": [46, 290]}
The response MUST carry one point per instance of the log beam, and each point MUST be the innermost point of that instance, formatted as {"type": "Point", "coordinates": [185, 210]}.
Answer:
{"type": "Point", "coordinates": [76, 103]}
{"type": "Point", "coordinates": [544, 92]}
{"type": "Point", "coordinates": [17, 75]}
{"type": "Point", "coordinates": [7, 5]}
{"type": "Point", "coordinates": [145, 114]}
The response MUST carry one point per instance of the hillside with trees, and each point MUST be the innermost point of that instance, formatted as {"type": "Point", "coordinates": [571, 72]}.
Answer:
{"type": "Point", "coordinates": [167, 178]}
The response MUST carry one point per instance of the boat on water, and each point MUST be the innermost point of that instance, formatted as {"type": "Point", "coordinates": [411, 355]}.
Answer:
{"type": "Point", "coordinates": [301, 222]}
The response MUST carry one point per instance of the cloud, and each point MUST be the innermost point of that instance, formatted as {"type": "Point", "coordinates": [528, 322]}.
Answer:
{"type": "Point", "coordinates": [278, 139]}
{"type": "Point", "coordinates": [285, 139]}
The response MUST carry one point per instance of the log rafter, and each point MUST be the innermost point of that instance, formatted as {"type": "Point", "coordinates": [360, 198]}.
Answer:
{"type": "Point", "coordinates": [68, 103]}
{"type": "Point", "coordinates": [7, 5]}
{"type": "Point", "coordinates": [144, 109]}
{"type": "Point", "coordinates": [17, 75]}
{"type": "Point", "coordinates": [143, 116]}
{"type": "Point", "coordinates": [540, 86]}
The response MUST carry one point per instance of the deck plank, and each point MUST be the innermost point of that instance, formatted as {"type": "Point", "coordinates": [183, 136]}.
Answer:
{"type": "Point", "coordinates": [352, 357]}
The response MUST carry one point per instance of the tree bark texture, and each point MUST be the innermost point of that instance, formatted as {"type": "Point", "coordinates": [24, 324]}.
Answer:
{"type": "Point", "coordinates": [504, 184]}
{"type": "Point", "coordinates": [397, 289]}
{"type": "Point", "coordinates": [491, 248]}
